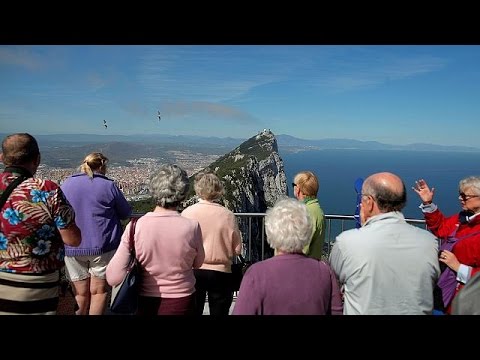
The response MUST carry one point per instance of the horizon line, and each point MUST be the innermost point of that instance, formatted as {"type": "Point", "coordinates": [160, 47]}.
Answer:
{"type": "Point", "coordinates": [244, 139]}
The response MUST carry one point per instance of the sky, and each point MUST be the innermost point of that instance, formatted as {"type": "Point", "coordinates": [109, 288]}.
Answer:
{"type": "Point", "coordinates": [395, 94]}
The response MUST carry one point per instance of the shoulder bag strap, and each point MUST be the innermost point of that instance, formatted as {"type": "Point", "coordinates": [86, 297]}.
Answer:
{"type": "Point", "coordinates": [133, 222]}
{"type": "Point", "coordinates": [468, 235]}
{"type": "Point", "coordinates": [10, 188]}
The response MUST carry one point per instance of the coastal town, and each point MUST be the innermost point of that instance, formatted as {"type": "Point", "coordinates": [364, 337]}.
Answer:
{"type": "Point", "coordinates": [133, 179]}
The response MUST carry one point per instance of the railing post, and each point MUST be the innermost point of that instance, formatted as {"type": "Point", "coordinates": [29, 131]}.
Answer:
{"type": "Point", "coordinates": [329, 231]}
{"type": "Point", "coordinates": [263, 237]}
{"type": "Point", "coordinates": [250, 238]}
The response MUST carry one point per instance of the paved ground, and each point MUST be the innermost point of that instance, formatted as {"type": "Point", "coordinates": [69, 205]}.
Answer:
{"type": "Point", "coordinates": [206, 309]}
{"type": "Point", "coordinates": [66, 305]}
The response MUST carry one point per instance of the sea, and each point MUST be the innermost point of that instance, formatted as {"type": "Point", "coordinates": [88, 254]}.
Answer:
{"type": "Point", "coordinates": [337, 171]}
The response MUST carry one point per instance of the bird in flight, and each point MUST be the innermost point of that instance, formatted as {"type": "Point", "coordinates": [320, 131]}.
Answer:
{"type": "Point", "coordinates": [105, 124]}
{"type": "Point", "coordinates": [159, 117]}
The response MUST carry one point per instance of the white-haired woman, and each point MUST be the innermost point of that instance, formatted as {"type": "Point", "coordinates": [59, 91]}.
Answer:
{"type": "Point", "coordinates": [459, 234]}
{"type": "Point", "coordinates": [290, 283]}
{"type": "Point", "coordinates": [99, 206]}
{"type": "Point", "coordinates": [222, 241]}
{"type": "Point", "coordinates": [168, 247]}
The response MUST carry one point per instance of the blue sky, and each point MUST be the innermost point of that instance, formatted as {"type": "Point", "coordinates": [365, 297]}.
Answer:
{"type": "Point", "coordinates": [393, 94]}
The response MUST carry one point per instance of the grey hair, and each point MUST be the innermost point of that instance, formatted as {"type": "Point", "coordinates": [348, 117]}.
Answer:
{"type": "Point", "coordinates": [288, 226]}
{"type": "Point", "coordinates": [470, 182]}
{"type": "Point", "coordinates": [387, 200]}
{"type": "Point", "coordinates": [208, 186]}
{"type": "Point", "coordinates": [169, 185]}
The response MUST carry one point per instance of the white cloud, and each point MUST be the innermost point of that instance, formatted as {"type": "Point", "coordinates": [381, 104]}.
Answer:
{"type": "Point", "coordinates": [203, 108]}
{"type": "Point", "coordinates": [359, 74]}
{"type": "Point", "coordinates": [201, 74]}
{"type": "Point", "coordinates": [96, 81]}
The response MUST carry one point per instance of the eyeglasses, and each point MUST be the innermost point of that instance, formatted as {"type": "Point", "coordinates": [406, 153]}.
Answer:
{"type": "Point", "coordinates": [293, 184]}
{"type": "Point", "coordinates": [466, 197]}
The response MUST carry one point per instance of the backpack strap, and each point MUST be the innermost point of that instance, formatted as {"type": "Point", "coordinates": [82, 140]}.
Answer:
{"type": "Point", "coordinates": [24, 175]}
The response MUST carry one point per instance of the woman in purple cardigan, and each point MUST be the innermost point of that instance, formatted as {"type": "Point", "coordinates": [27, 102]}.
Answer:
{"type": "Point", "coordinates": [290, 283]}
{"type": "Point", "coordinates": [99, 206]}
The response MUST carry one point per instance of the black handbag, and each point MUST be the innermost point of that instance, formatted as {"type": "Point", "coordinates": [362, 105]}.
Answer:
{"type": "Point", "coordinates": [125, 295]}
{"type": "Point", "coordinates": [238, 270]}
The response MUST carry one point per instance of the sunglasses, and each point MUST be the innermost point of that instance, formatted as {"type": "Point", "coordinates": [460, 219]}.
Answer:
{"type": "Point", "coordinates": [466, 197]}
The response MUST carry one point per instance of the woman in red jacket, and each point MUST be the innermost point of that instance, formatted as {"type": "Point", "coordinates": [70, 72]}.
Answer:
{"type": "Point", "coordinates": [459, 235]}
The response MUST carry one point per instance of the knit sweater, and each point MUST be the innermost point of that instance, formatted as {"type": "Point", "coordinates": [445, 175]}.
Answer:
{"type": "Point", "coordinates": [221, 238]}
{"type": "Point", "coordinates": [99, 206]}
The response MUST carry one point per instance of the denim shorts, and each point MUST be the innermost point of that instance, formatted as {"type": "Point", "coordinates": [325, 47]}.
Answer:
{"type": "Point", "coordinates": [79, 268]}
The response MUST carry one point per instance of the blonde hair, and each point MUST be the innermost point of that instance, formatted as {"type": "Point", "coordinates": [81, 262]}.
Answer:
{"type": "Point", "coordinates": [94, 162]}
{"type": "Point", "coordinates": [307, 182]}
{"type": "Point", "coordinates": [208, 186]}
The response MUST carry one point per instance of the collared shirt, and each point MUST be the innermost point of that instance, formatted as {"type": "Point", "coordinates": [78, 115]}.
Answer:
{"type": "Point", "coordinates": [30, 242]}
{"type": "Point", "coordinates": [386, 267]}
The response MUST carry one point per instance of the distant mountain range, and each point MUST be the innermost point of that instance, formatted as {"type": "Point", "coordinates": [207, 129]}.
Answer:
{"type": "Point", "coordinates": [81, 139]}
{"type": "Point", "coordinates": [290, 141]}
{"type": "Point", "coordinates": [285, 142]}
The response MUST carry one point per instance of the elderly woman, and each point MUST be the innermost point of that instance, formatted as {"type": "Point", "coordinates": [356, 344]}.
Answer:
{"type": "Point", "coordinates": [168, 247]}
{"type": "Point", "coordinates": [290, 283]}
{"type": "Point", "coordinates": [459, 234]}
{"type": "Point", "coordinates": [99, 206]}
{"type": "Point", "coordinates": [221, 240]}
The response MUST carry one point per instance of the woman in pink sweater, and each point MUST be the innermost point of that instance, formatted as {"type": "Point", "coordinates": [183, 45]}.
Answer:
{"type": "Point", "coordinates": [168, 247]}
{"type": "Point", "coordinates": [222, 241]}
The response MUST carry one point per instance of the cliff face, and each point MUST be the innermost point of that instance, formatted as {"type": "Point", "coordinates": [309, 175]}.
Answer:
{"type": "Point", "coordinates": [254, 179]}
{"type": "Point", "coordinates": [253, 175]}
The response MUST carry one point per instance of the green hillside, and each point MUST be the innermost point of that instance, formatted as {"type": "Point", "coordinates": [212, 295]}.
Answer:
{"type": "Point", "coordinates": [233, 162]}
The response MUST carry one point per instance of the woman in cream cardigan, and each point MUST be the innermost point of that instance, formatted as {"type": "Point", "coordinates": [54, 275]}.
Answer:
{"type": "Point", "coordinates": [221, 240]}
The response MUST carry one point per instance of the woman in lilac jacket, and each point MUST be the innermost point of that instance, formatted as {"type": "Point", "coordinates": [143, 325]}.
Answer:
{"type": "Point", "coordinates": [99, 206]}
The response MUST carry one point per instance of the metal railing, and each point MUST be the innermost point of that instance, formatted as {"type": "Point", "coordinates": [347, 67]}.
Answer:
{"type": "Point", "coordinates": [252, 227]}
{"type": "Point", "coordinates": [334, 225]}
